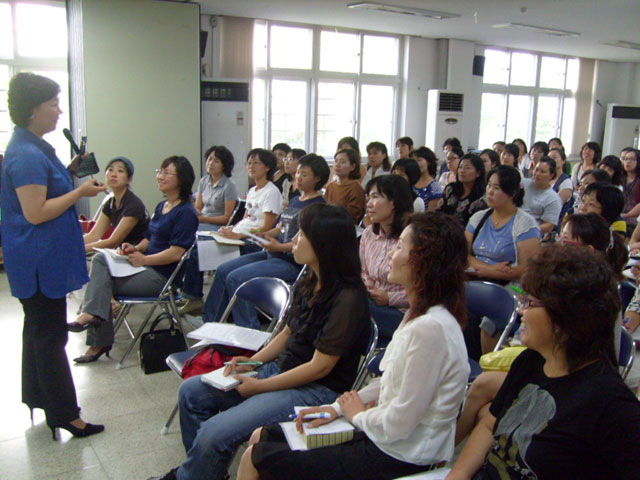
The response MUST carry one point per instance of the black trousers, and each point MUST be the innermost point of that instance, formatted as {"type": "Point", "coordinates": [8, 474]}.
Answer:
{"type": "Point", "coordinates": [46, 377]}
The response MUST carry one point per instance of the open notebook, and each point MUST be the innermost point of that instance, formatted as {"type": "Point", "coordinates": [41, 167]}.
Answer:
{"type": "Point", "coordinates": [334, 433]}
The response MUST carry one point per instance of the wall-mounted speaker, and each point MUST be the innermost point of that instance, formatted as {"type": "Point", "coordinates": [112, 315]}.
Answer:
{"type": "Point", "coordinates": [478, 65]}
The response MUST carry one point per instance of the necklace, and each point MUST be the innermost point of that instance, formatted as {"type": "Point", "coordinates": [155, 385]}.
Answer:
{"type": "Point", "coordinates": [499, 222]}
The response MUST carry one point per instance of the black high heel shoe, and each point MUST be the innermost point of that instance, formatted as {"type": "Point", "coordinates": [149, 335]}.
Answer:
{"type": "Point", "coordinates": [88, 430]}
{"type": "Point", "coordinates": [92, 358]}
{"type": "Point", "coordinates": [77, 327]}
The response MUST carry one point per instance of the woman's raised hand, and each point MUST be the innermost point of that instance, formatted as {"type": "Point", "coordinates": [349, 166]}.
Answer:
{"type": "Point", "coordinates": [91, 188]}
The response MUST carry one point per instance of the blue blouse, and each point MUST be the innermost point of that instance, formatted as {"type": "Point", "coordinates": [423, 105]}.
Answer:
{"type": "Point", "coordinates": [49, 256]}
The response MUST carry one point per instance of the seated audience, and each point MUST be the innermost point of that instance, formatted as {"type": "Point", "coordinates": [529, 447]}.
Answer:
{"type": "Point", "coordinates": [124, 211]}
{"type": "Point", "coordinates": [310, 362]}
{"type": "Point", "coordinates": [498, 146]}
{"type": "Point", "coordinates": [408, 169]}
{"type": "Point", "coordinates": [427, 187]}
{"type": "Point", "coordinates": [172, 230]}
{"type": "Point", "coordinates": [579, 229]}
{"type": "Point", "coordinates": [587, 178]}
{"type": "Point", "coordinates": [280, 151]}
{"type": "Point", "coordinates": [217, 195]}
{"type": "Point", "coordinates": [389, 202]}
{"type": "Point", "coordinates": [631, 177]}
{"type": "Point", "coordinates": [276, 260]}
{"type": "Point", "coordinates": [346, 190]}
{"type": "Point", "coordinates": [463, 197]}
{"type": "Point", "coordinates": [540, 200]}
{"type": "Point", "coordinates": [406, 417]}
{"type": "Point", "coordinates": [404, 147]}
{"type": "Point", "coordinates": [490, 159]}
{"type": "Point", "coordinates": [509, 155]}
{"type": "Point", "coordinates": [606, 200]}
{"type": "Point", "coordinates": [613, 166]}
{"type": "Point", "coordinates": [590, 155]}
{"type": "Point", "coordinates": [501, 240]}
{"type": "Point", "coordinates": [538, 150]}
{"type": "Point", "coordinates": [555, 142]}
{"type": "Point", "coordinates": [377, 162]}
{"type": "Point", "coordinates": [453, 156]}
{"type": "Point", "coordinates": [263, 204]}
{"type": "Point", "coordinates": [523, 160]}
{"type": "Point", "coordinates": [563, 185]}
{"type": "Point", "coordinates": [567, 373]}
{"type": "Point", "coordinates": [289, 187]}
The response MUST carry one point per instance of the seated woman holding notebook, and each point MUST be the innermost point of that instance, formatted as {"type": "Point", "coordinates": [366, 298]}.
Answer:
{"type": "Point", "coordinates": [408, 415]}
{"type": "Point", "coordinates": [312, 360]}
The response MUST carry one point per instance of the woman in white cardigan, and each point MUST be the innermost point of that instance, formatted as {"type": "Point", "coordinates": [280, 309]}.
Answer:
{"type": "Point", "coordinates": [406, 418]}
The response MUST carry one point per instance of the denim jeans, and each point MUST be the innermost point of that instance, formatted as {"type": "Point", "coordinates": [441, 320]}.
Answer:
{"type": "Point", "coordinates": [214, 422]}
{"type": "Point", "coordinates": [230, 275]}
{"type": "Point", "coordinates": [387, 319]}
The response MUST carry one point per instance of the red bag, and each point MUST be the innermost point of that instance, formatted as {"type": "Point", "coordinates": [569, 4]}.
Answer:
{"type": "Point", "coordinates": [86, 225]}
{"type": "Point", "coordinates": [210, 358]}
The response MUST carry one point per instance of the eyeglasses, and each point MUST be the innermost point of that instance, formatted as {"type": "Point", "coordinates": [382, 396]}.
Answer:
{"type": "Point", "coordinates": [163, 172]}
{"type": "Point", "coordinates": [526, 301]}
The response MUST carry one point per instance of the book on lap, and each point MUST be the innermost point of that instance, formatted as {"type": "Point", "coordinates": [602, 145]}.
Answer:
{"type": "Point", "coordinates": [333, 433]}
{"type": "Point", "coordinates": [217, 380]}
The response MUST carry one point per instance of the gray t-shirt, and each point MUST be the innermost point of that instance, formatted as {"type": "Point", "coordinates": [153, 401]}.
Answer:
{"type": "Point", "coordinates": [214, 196]}
{"type": "Point", "coordinates": [543, 205]}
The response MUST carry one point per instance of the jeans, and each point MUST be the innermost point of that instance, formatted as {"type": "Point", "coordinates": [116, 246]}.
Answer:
{"type": "Point", "coordinates": [214, 422]}
{"type": "Point", "coordinates": [387, 319]}
{"type": "Point", "coordinates": [230, 275]}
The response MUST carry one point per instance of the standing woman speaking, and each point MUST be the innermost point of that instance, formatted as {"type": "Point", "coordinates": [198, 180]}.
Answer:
{"type": "Point", "coordinates": [43, 249]}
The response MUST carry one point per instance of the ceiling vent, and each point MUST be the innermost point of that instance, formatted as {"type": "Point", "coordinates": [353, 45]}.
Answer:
{"type": "Point", "coordinates": [552, 32]}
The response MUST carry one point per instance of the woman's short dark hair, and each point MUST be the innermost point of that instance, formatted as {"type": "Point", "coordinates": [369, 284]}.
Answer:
{"type": "Point", "coordinates": [184, 172]}
{"type": "Point", "coordinates": [597, 151]}
{"type": "Point", "coordinates": [430, 157]}
{"type": "Point", "coordinates": [599, 174]}
{"type": "Point", "coordinates": [354, 160]}
{"type": "Point", "coordinates": [386, 164]}
{"type": "Point", "coordinates": [410, 167]}
{"type": "Point", "coordinates": [478, 185]}
{"type": "Point", "coordinates": [452, 142]}
{"type": "Point", "coordinates": [318, 166]}
{"type": "Point", "coordinates": [297, 153]}
{"type": "Point", "coordinates": [563, 156]}
{"type": "Point", "coordinates": [438, 260]}
{"type": "Point", "coordinates": [580, 294]}
{"type": "Point", "coordinates": [339, 261]}
{"type": "Point", "coordinates": [457, 150]}
{"type": "Point", "coordinates": [636, 153]}
{"type": "Point", "coordinates": [593, 230]}
{"type": "Point", "coordinates": [224, 155]}
{"type": "Point", "coordinates": [26, 91]}
{"type": "Point", "coordinates": [267, 158]}
{"type": "Point", "coordinates": [610, 198]}
{"type": "Point", "coordinates": [281, 146]}
{"type": "Point", "coordinates": [614, 164]}
{"type": "Point", "coordinates": [397, 190]}
{"type": "Point", "coordinates": [493, 157]}
{"type": "Point", "coordinates": [542, 146]}
{"type": "Point", "coordinates": [524, 145]}
{"type": "Point", "coordinates": [408, 141]}
{"type": "Point", "coordinates": [552, 165]}
{"type": "Point", "coordinates": [352, 142]}
{"type": "Point", "coordinates": [557, 140]}
{"type": "Point", "coordinates": [509, 181]}
{"type": "Point", "coordinates": [513, 149]}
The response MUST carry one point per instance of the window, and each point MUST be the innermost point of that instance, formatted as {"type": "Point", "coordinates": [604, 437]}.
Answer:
{"type": "Point", "coordinates": [33, 38]}
{"type": "Point", "coordinates": [317, 85]}
{"type": "Point", "coordinates": [529, 96]}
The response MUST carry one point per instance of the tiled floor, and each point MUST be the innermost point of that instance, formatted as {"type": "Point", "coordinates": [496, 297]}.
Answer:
{"type": "Point", "coordinates": [133, 406]}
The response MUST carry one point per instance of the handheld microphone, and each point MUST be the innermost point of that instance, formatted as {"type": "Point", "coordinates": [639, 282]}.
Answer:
{"type": "Point", "coordinates": [67, 134]}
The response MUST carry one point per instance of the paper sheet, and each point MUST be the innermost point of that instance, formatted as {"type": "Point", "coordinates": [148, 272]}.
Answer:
{"type": "Point", "coordinates": [230, 334]}
{"type": "Point", "coordinates": [211, 254]}
{"type": "Point", "coordinates": [119, 265]}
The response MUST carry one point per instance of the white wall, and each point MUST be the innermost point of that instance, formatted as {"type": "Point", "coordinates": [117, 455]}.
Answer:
{"type": "Point", "coordinates": [461, 80]}
{"type": "Point", "coordinates": [142, 84]}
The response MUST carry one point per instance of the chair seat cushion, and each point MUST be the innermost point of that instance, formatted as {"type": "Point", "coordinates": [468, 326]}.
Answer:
{"type": "Point", "coordinates": [176, 361]}
{"type": "Point", "coordinates": [126, 298]}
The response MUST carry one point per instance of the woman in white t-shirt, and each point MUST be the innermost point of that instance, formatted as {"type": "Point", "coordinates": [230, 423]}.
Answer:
{"type": "Point", "coordinates": [264, 200]}
{"type": "Point", "coordinates": [411, 427]}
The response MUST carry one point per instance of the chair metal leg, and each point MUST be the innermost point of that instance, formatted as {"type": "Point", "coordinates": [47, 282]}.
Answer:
{"type": "Point", "coordinates": [137, 336]}
{"type": "Point", "coordinates": [117, 323]}
{"type": "Point", "coordinates": [165, 429]}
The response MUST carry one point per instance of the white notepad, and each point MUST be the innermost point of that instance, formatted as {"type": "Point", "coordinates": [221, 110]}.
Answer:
{"type": "Point", "coordinates": [230, 334]}
{"type": "Point", "coordinates": [218, 380]}
{"type": "Point", "coordinates": [119, 265]}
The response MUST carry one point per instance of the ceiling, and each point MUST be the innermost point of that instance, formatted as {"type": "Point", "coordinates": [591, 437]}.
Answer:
{"type": "Point", "coordinates": [597, 21]}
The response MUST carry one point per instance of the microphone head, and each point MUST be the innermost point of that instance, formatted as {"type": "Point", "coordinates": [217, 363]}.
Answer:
{"type": "Point", "coordinates": [67, 133]}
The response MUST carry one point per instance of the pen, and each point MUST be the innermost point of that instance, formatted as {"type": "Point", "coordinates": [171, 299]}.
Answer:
{"type": "Point", "coordinates": [310, 416]}
{"type": "Point", "coordinates": [245, 363]}
{"type": "Point", "coordinates": [517, 289]}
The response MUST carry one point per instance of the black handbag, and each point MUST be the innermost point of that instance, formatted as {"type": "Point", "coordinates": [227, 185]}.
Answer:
{"type": "Point", "coordinates": [157, 345]}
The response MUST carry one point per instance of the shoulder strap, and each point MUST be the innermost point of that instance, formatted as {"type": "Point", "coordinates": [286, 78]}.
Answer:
{"type": "Point", "coordinates": [480, 225]}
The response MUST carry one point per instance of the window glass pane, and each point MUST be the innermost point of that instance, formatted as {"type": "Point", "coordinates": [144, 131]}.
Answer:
{"type": "Point", "coordinates": [519, 117]}
{"type": "Point", "coordinates": [380, 55]}
{"type": "Point", "coordinates": [552, 72]}
{"type": "Point", "coordinates": [547, 118]}
{"type": "Point", "coordinates": [573, 69]}
{"type": "Point", "coordinates": [5, 121]}
{"type": "Point", "coordinates": [6, 35]}
{"type": "Point", "coordinates": [376, 115]}
{"type": "Point", "coordinates": [288, 112]}
{"type": "Point", "coordinates": [491, 119]}
{"type": "Point", "coordinates": [291, 47]}
{"type": "Point", "coordinates": [335, 115]}
{"type": "Point", "coordinates": [259, 45]}
{"type": "Point", "coordinates": [496, 67]}
{"type": "Point", "coordinates": [258, 108]}
{"type": "Point", "coordinates": [523, 69]}
{"type": "Point", "coordinates": [41, 31]}
{"type": "Point", "coordinates": [339, 52]}
{"type": "Point", "coordinates": [568, 119]}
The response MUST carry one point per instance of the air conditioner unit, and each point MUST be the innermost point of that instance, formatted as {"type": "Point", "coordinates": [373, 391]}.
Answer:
{"type": "Point", "coordinates": [621, 128]}
{"type": "Point", "coordinates": [444, 117]}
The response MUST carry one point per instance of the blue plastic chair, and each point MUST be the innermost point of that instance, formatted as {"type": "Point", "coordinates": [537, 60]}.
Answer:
{"type": "Point", "coordinates": [627, 291]}
{"type": "Point", "coordinates": [627, 353]}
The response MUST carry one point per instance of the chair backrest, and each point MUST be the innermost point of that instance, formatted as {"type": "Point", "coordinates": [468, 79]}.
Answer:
{"type": "Point", "coordinates": [369, 354]}
{"type": "Point", "coordinates": [105, 200]}
{"type": "Point", "coordinates": [169, 287]}
{"type": "Point", "coordinates": [627, 290]}
{"type": "Point", "coordinates": [238, 212]}
{"type": "Point", "coordinates": [627, 353]}
{"type": "Point", "coordinates": [493, 301]}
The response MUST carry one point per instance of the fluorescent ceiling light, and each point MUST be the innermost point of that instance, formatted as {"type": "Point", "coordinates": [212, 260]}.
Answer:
{"type": "Point", "coordinates": [416, 12]}
{"type": "Point", "coordinates": [624, 44]}
{"type": "Point", "coordinates": [547, 31]}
